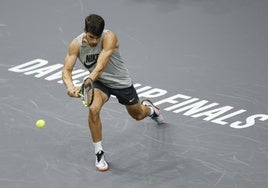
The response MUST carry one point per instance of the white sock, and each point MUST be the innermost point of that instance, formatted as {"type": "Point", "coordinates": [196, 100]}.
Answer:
{"type": "Point", "coordinates": [152, 110]}
{"type": "Point", "coordinates": [97, 146]}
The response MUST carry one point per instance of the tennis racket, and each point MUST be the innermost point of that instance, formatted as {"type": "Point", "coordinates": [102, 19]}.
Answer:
{"type": "Point", "coordinates": [87, 93]}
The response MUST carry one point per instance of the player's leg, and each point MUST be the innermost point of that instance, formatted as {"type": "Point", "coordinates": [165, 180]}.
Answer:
{"type": "Point", "coordinates": [94, 120]}
{"type": "Point", "coordinates": [101, 95]}
{"type": "Point", "coordinates": [138, 111]}
{"type": "Point", "coordinates": [129, 98]}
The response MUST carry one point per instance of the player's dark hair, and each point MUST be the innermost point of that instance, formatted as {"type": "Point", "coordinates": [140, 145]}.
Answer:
{"type": "Point", "coordinates": [94, 24]}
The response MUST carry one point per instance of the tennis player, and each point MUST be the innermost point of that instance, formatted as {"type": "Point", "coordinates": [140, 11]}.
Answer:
{"type": "Point", "coordinates": [98, 50]}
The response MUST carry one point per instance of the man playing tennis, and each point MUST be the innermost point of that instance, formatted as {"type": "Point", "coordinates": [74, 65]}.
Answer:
{"type": "Point", "coordinates": [98, 50]}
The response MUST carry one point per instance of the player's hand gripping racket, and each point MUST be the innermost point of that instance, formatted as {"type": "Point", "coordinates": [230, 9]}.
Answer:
{"type": "Point", "coordinates": [87, 92]}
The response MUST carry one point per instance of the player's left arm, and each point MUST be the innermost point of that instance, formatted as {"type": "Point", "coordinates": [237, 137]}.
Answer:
{"type": "Point", "coordinates": [110, 44]}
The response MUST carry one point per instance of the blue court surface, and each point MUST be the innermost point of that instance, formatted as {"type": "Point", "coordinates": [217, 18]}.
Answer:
{"type": "Point", "coordinates": [203, 62]}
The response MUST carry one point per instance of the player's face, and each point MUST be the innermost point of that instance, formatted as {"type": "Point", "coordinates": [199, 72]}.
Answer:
{"type": "Point", "coordinates": [92, 39]}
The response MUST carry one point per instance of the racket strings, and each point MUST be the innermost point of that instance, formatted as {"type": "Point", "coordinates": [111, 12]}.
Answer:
{"type": "Point", "coordinates": [87, 93]}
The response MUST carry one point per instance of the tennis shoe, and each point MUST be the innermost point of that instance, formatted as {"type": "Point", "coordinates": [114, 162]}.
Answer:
{"type": "Point", "coordinates": [101, 164]}
{"type": "Point", "coordinates": [157, 115]}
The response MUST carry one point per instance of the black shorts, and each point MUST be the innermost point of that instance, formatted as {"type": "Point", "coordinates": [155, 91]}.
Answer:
{"type": "Point", "coordinates": [125, 96]}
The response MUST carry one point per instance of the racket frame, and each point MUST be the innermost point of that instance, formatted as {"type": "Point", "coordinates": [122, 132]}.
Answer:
{"type": "Point", "coordinates": [83, 93]}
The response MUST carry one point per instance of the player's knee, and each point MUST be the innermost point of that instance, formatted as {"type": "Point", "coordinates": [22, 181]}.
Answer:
{"type": "Point", "coordinates": [94, 111]}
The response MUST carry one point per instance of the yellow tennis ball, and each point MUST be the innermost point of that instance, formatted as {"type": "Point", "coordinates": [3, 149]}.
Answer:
{"type": "Point", "coordinates": [40, 123]}
{"type": "Point", "coordinates": [84, 103]}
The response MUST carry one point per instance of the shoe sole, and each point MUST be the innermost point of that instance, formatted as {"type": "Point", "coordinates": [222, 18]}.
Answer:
{"type": "Point", "coordinates": [103, 169]}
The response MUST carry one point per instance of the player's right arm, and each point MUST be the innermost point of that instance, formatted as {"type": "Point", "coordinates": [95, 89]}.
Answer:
{"type": "Point", "coordinates": [68, 67]}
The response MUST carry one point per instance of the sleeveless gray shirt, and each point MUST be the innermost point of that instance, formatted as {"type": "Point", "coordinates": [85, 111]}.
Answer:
{"type": "Point", "coordinates": [115, 74]}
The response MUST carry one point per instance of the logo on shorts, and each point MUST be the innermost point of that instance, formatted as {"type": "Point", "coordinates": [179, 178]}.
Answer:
{"type": "Point", "coordinates": [131, 100]}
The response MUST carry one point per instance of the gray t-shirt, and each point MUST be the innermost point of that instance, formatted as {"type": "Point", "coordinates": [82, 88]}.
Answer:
{"type": "Point", "coordinates": [115, 75]}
